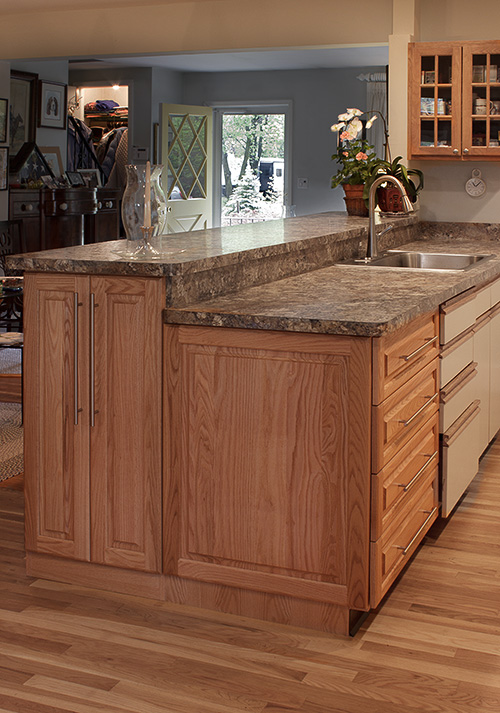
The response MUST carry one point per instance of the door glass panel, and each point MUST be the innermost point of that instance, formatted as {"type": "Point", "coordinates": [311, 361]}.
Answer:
{"type": "Point", "coordinates": [187, 157]}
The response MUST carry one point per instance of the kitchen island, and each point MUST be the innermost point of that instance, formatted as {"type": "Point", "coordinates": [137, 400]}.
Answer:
{"type": "Point", "coordinates": [215, 428]}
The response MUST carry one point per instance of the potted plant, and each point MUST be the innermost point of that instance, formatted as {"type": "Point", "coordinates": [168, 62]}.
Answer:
{"type": "Point", "coordinates": [355, 158]}
{"type": "Point", "coordinates": [388, 197]}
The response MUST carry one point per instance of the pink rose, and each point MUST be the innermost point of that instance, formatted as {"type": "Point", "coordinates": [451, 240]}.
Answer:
{"type": "Point", "coordinates": [346, 153]}
{"type": "Point", "coordinates": [345, 136]}
{"type": "Point", "coordinates": [361, 156]}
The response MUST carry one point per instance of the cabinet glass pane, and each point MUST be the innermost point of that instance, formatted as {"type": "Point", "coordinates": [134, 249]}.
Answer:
{"type": "Point", "coordinates": [479, 132]}
{"type": "Point", "coordinates": [428, 70]}
{"type": "Point", "coordinates": [444, 133]}
{"type": "Point", "coordinates": [427, 133]}
{"type": "Point", "coordinates": [444, 69]}
{"type": "Point", "coordinates": [494, 132]}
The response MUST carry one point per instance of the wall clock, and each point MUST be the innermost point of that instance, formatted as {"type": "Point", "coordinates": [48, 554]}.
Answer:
{"type": "Point", "coordinates": [475, 186]}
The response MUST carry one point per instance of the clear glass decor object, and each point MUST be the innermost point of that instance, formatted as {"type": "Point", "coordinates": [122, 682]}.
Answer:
{"type": "Point", "coordinates": [143, 222]}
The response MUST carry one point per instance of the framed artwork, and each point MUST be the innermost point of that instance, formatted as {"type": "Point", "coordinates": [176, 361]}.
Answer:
{"type": "Point", "coordinates": [22, 114]}
{"type": "Point", "coordinates": [4, 105]}
{"type": "Point", "coordinates": [75, 178]}
{"type": "Point", "coordinates": [52, 105]}
{"type": "Point", "coordinates": [91, 177]}
{"type": "Point", "coordinates": [52, 154]}
{"type": "Point", "coordinates": [4, 168]}
{"type": "Point", "coordinates": [29, 164]}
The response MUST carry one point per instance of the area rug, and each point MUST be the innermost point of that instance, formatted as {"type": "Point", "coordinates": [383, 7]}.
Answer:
{"type": "Point", "coordinates": [11, 429]}
{"type": "Point", "coordinates": [11, 440]}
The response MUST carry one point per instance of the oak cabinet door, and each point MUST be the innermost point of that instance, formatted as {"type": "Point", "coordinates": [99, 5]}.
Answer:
{"type": "Point", "coordinates": [125, 428]}
{"type": "Point", "coordinates": [56, 415]}
{"type": "Point", "coordinates": [270, 455]}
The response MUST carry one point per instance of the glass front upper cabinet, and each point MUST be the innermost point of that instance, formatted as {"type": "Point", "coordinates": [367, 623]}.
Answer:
{"type": "Point", "coordinates": [454, 100]}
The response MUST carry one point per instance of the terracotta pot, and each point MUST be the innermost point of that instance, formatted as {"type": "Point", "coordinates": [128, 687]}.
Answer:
{"type": "Point", "coordinates": [390, 200]}
{"type": "Point", "coordinates": [354, 202]}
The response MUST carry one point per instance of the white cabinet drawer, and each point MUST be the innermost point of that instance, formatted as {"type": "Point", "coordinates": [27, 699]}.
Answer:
{"type": "Point", "coordinates": [483, 300]}
{"type": "Point", "coordinates": [457, 315]}
{"type": "Point", "coordinates": [459, 460]}
{"type": "Point", "coordinates": [495, 292]}
{"type": "Point", "coordinates": [456, 356]}
{"type": "Point", "coordinates": [457, 396]}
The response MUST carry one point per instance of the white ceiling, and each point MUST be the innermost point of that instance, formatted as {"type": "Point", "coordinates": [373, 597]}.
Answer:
{"type": "Point", "coordinates": [250, 60]}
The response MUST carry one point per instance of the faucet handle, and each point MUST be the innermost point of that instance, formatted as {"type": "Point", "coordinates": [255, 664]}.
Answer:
{"type": "Point", "coordinates": [386, 230]}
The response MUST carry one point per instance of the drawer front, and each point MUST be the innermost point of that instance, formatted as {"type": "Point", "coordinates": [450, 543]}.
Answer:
{"type": "Point", "coordinates": [403, 475]}
{"type": "Point", "coordinates": [457, 397]}
{"type": "Point", "coordinates": [393, 549]}
{"type": "Point", "coordinates": [24, 207]}
{"type": "Point", "coordinates": [401, 415]}
{"type": "Point", "coordinates": [459, 460]}
{"type": "Point", "coordinates": [453, 360]}
{"type": "Point", "coordinates": [495, 292]}
{"type": "Point", "coordinates": [457, 315]}
{"type": "Point", "coordinates": [483, 300]}
{"type": "Point", "coordinates": [401, 354]}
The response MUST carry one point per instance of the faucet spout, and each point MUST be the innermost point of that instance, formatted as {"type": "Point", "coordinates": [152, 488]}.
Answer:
{"type": "Point", "coordinates": [372, 250]}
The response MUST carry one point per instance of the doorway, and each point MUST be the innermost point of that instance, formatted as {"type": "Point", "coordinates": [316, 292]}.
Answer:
{"type": "Point", "coordinates": [252, 163]}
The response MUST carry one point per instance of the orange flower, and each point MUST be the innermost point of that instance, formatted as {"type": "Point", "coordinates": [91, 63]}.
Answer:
{"type": "Point", "coordinates": [361, 156]}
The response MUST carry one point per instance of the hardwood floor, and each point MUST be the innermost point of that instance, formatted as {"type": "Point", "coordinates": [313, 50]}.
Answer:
{"type": "Point", "coordinates": [433, 646]}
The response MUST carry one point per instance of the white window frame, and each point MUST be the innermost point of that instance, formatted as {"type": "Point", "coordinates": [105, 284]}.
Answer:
{"type": "Point", "coordinates": [249, 107]}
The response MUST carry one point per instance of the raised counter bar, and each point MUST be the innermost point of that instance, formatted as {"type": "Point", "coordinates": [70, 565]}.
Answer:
{"type": "Point", "coordinates": [206, 263]}
{"type": "Point", "coordinates": [281, 275]}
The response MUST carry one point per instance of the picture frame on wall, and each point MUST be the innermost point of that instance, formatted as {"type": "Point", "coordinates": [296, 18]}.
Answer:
{"type": "Point", "coordinates": [52, 107]}
{"type": "Point", "coordinates": [4, 113]}
{"type": "Point", "coordinates": [4, 168]}
{"type": "Point", "coordinates": [22, 110]}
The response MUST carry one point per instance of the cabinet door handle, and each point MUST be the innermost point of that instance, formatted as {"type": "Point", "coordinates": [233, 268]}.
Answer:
{"type": "Point", "coordinates": [417, 475]}
{"type": "Point", "coordinates": [417, 413]}
{"type": "Point", "coordinates": [456, 151]}
{"type": "Point", "coordinates": [92, 359]}
{"type": "Point", "coordinates": [415, 537]}
{"type": "Point", "coordinates": [75, 356]}
{"type": "Point", "coordinates": [466, 150]}
{"type": "Point", "coordinates": [417, 351]}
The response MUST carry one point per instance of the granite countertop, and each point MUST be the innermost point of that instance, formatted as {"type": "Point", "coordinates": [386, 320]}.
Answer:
{"type": "Point", "coordinates": [283, 274]}
{"type": "Point", "coordinates": [345, 299]}
{"type": "Point", "coordinates": [204, 249]}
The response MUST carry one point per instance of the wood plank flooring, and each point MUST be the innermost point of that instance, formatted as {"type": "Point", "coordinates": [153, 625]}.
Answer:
{"type": "Point", "coordinates": [432, 647]}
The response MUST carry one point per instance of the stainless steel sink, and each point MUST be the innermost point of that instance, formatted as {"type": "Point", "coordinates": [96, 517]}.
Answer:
{"type": "Point", "coordinates": [422, 261]}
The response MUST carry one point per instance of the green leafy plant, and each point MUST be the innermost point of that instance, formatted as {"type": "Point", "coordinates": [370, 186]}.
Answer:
{"type": "Point", "coordinates": [355, 156]}
{"type": "Point", "coordinates": [398, 170]}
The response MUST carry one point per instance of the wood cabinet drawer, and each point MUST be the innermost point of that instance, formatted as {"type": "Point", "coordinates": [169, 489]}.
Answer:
{"type": "Point", "coordinates": [25, 206]}
{"type": "Point", "coordinates": [457, 396]}
{"type": "Point", "coordinates": [457, 315]}
{"type": "Point", "coordinates": [456, 356]}
{"type": "Point", "coordinates": [393, 549]}
{"type": "Point", "coordinates": [401, 354]}
{"type": "Point", "coordinates": [403, 475]}
{"type": "Point", "coordinates": [459, 457]}
{"type": "Point", "coordinates": [401, 415]}
{"type": "Point", "coordinates": [483, 300]}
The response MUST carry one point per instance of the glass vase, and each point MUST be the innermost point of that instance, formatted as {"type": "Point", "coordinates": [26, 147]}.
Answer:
{"type": "Point", "coordinates": [143, 240]}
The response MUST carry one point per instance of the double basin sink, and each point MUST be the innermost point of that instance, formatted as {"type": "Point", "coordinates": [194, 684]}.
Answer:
{"type": "Point", "coordinates": [421, 260]}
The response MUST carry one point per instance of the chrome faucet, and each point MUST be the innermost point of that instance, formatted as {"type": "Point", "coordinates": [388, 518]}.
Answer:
{"type": "Point", "coordinates": [372, 250]}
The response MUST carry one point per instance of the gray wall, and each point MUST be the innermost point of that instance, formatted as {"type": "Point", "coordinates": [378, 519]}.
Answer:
{"type": "Point", "coordinates": [318, 97]}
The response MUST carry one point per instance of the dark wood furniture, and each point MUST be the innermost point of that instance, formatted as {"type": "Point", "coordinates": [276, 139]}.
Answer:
{"type": "Point", "coordinates": [53, 218]}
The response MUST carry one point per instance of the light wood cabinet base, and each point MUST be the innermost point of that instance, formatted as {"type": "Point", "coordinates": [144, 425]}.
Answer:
{"type": "Point", "coordinates": [292, 611]}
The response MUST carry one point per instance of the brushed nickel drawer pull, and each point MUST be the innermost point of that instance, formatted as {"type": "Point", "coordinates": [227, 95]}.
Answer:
{"type": "Point", "coordinates": [417, 351]}
{"type": "Point", "coordinates": [416, 476]}
{"type": "Point", "coordinates": [417, 413]}
{"type": "Point", "coordinates": [415, 537]}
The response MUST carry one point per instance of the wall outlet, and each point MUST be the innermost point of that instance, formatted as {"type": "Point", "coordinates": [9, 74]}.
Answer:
{"type": "Point", "coordinates": [302, 182]}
